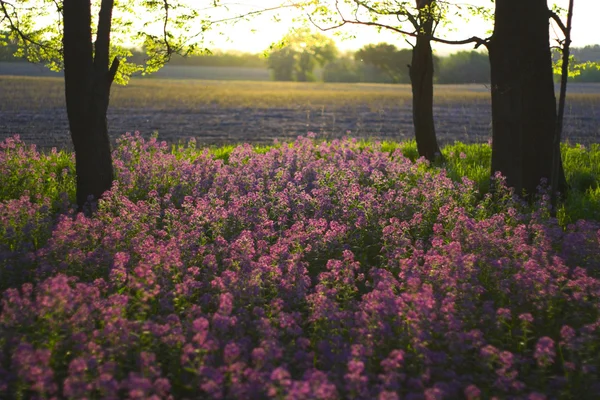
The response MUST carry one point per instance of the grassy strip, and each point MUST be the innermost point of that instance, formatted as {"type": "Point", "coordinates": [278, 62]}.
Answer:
{"type": "Point", "coordinates": [161, 94]}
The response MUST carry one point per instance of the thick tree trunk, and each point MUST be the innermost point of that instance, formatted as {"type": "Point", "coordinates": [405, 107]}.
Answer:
{"type": "Point", "coordinates": [93, 159]}
{"type": "Point", "coordinates": [421, 78]}
{"type": "Point", "coordinates": [87, 89]}
{"type": "Point", "coordinates": [523, 99]}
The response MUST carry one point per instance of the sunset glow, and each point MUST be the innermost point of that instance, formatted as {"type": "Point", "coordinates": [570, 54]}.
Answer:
{"type": "Point", "coordinates": [260, 32]}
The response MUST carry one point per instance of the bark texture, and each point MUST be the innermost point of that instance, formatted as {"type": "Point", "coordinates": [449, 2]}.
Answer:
{"type": "Point", "coordinates": [421, 78]}
{"type": "Point", "coordinates": [523, 99]}
{"type": "Point", "coordinates": [87, 88]}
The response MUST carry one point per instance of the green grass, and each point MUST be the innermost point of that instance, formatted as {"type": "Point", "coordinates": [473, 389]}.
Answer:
{"type": "Point", "coordinates": [582, 169]}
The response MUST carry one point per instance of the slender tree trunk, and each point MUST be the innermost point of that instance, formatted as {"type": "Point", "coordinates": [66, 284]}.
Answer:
{"type": "Point", "coordinates": [523, 99]}
{"type": "Point", "coordinates": [556, 159]}
{"type": "Point", "coordinates": [421, 78]}
{"type": "Point", "coordinates": [87, 88]}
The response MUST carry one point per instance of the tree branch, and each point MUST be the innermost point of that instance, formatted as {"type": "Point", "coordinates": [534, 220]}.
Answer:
{"type": "Point", "coordinates": [329, 28]}
{"type": "Point", "coordinates": [379, 25]}
{"type": "Point", "coordinates": [114, 67]}
{"type": "Point", "coordinates": [476, 40]}
{"type": "Point", "coordinates": [165, 30]}
{"type": "Point", "coordinates": [14, 26]}
{"type": "Point", "coordinates": [559, 22]}
{"type": "Point", "coordinates": [401, 12]}
{"type": "Point", "coordinates": [102, 45]}
{"type": "Point", "coordinates": [250, 13]}
{"type": "Point", "coordinates": [241, 16]}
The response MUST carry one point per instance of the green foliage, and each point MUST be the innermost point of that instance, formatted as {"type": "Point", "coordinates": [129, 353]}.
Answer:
{"type": "Point", "coordinates": [8, 47]}
{"type": "Point", "coordinates": [584, 64]}
{"type": "Point", "coordinates": [215, 59]}
{"type": "Point", "coordinates": [282, 63]}
{"type": "Point", "coordinates": [405, 18]}
{"type": "Point", "coordinates": [472, 161]}
{"type": "Point", "coordinates": [582, 169]}
{"type": "Point", "coordinates": [25, 172]}
{"type": "Point", "coordinates": [379, 63]}
{"type": "Point", "coordinates": [388, 59]}
{"type": "Point", "coordinates": [344, 69]}
{"type": "Point", "coordinates": [464, 67]}
{"type": "Point", "coordinates": [161, 28]}
{"type": "Point", "coordinates": [298, 53]}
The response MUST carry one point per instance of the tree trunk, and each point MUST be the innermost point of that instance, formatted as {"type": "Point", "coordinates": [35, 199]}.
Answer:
{"type": "Point", "coordinates": [523, 99]}
{"type": "Point", "coordinates": [87, 88]}
{"type": "Point", "coordinates": [421, 79]}
{"type": "Point", "coordinates": [557, 172]}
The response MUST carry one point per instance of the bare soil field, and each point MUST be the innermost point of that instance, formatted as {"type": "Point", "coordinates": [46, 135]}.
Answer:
{"type": "Point", "coordinates": [219, 112]}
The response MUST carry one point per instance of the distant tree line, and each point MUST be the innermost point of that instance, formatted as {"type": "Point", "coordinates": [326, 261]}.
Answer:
{"type": "Point", "coordinates": [293, 60]}
{"type": "Point", "coordinates": [213, 59]}
{"type": "Point", "coordinates": [9, 47]}
{"type": "Point", "coordinates": [384, 63]}
{"type": "Point", "coordinates": [374, 63]}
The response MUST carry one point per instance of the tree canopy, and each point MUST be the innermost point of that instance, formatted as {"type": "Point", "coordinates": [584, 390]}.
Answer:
{"type": "Point", "coordinates": [298, 53]}
{"type": "Point", "coordinates": [387, 58]}
{"type": "Point", "coordinates": [144, 34]}
{"type": "Point", "coordinates": [464, 67]}
{"type": "Point", "coordinates": [161, 28]}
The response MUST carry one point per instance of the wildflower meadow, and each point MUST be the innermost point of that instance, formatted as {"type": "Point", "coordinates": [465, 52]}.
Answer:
{"type": "Point", "coordinates": [308, 270]}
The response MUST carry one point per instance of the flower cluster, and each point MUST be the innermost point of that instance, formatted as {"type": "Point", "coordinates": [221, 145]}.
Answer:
{"type": "Point", "coordinates": [312, 271]}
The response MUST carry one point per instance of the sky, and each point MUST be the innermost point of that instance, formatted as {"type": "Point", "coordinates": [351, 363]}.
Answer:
{"type": "Point", "coordinates": [259, 33]}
